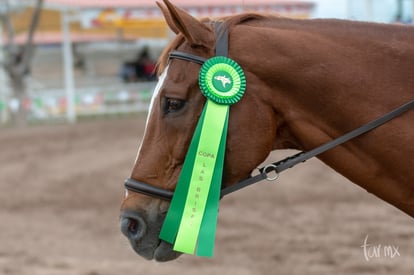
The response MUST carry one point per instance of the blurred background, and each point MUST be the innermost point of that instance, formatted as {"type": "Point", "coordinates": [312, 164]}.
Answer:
{"type": "Point", "coordinates": [61, 60]}
{"type": "Point", "coordinates": [76, 77]}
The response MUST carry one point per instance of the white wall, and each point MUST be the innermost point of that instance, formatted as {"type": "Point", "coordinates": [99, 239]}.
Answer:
{"type": "Point", "coordinates": [366, 10]}
{"type": "Point", "coordinates": [330, 9]}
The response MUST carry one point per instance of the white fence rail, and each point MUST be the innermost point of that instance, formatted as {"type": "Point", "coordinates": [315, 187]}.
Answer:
{"type": "Point", "coordinates": [51, 104]}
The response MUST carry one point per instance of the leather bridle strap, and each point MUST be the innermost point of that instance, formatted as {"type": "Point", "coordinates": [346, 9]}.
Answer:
{"type": "Point", "coordinates": [304, 156]}
{"type": "Point", "coordinates": [222, 41]}
{"type": "Point", "coordinates": [274, 168]}
{"type": "Point", "coordinates": [187, 57]}
{"type": "Point", "coordinates": [149, 190]}
{"type": "Point", "coordinates": [289, 162]}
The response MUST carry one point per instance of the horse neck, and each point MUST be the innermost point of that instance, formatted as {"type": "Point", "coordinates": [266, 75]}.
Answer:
{"type": "Point", "coordinates": [325, 78]}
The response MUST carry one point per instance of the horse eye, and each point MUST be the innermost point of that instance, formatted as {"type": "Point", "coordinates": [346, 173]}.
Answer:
{"type": "Point", "coordinates": [171, 105]}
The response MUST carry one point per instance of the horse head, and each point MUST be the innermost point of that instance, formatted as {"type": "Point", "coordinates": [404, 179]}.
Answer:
{"type": "Point", "coordinates": [174, 111]}
{"type": "Point", "coordinates": [303, 89]}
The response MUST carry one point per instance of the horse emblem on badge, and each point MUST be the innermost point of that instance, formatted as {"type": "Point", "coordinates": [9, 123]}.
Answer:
{"type": "Point", "coordinates": [224, 80]}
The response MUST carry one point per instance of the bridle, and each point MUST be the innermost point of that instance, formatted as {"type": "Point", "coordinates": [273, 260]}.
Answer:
{"type": "Point", "coordinates": [271, 171]}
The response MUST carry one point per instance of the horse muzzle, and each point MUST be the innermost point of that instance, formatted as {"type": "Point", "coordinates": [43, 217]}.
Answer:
{"type": "Point", "coordinates": [143, 237]}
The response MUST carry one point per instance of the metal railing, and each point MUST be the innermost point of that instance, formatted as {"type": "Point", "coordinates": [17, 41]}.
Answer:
{"type": "Point", "coordinates": [51, 104]}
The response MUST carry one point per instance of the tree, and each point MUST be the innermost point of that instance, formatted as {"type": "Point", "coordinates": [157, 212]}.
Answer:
{"type": "Point", "coordinates": [18, 59]}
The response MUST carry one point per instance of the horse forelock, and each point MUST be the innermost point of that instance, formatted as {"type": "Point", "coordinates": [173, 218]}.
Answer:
{"type": "Point", "coordinates": [163, 59]}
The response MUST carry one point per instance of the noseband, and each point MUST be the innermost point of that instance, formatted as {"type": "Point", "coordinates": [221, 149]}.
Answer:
{"type": "Point", "coordinates": [271, 171]}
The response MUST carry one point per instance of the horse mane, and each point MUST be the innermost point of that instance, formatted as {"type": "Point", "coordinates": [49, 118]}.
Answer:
{"type": "Point", "coordinates": [229, 21]}
{"type": "Point", "coordinates": [335, 27]}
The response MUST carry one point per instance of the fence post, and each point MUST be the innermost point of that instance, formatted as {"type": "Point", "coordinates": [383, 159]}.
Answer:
{"type": "Point", "coordinates": [4, 88]}
{"type": "Point", "coordinates": [68, 68]}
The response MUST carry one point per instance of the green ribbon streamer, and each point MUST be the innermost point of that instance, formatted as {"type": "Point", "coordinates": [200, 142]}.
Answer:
{"type": "Point", "coordinates": [192, 217]}
{"type": "Point", "coordinates": [190, 223]}
{"type": "Point", "coordinates": [208, 227]}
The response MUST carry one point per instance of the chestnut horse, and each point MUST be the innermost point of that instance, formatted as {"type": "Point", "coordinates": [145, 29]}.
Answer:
{"type": "Point", "coordinates": [308, 81]}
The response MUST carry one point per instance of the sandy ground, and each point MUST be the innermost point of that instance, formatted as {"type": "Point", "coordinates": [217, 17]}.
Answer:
{"type": "Point", "coordinates": [61, 187]}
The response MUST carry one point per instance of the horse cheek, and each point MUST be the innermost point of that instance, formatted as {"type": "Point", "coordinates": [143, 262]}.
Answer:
{"type": "Point", "coordinates": [249, 141]}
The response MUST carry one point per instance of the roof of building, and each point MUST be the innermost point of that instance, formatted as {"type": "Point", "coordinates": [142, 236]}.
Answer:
{"type": "Point", "coordinates": [152, 3]}
{"type": "Point", "coordinates": [46, 38]}
{"type": "Point", "coordinates": [47, 34]}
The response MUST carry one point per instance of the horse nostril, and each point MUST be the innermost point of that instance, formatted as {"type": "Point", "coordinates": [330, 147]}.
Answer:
{"type": "Point", "coordinates": [132, 226]}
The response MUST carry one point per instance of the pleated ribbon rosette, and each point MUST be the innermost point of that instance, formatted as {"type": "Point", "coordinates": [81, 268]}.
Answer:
{"type": "Point", "coordinates": [191, 221]}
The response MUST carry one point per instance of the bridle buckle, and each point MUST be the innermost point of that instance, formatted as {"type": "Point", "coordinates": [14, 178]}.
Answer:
{"type": "Point", "coordinates": [269, 169]}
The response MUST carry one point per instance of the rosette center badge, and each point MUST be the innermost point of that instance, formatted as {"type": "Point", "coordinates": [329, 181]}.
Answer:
{"type": "Point", "coordinates": [222, 80]}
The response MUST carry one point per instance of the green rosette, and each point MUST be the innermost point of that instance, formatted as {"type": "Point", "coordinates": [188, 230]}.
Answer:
{"type": "Point", "coordinates": [190, 223]}
{"type": "Point", "coordinates": [222, 80]}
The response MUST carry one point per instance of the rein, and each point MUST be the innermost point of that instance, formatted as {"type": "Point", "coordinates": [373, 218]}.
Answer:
{"type": "Point", "coordinates": [271, 171]}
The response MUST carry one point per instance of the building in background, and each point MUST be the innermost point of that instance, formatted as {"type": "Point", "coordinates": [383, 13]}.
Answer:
{"type": "Point", "coordinates": [385, 11]}
{"type": "Point", "coordinates": [98, 36]}
{"type": "Point", "coordinates": [127, 19]}
{"type": "Point", "coordinates": [101, 35]}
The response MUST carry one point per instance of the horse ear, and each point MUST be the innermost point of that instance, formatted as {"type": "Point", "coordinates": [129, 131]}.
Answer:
{"type": "Point", "coordinates": [195, 32]}
{"type": "Point", "coordinates": [168, 18]}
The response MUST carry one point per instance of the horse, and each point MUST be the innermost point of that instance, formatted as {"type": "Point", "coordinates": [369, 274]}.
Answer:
{"type": "Point", "coordinates": [308, 82]}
